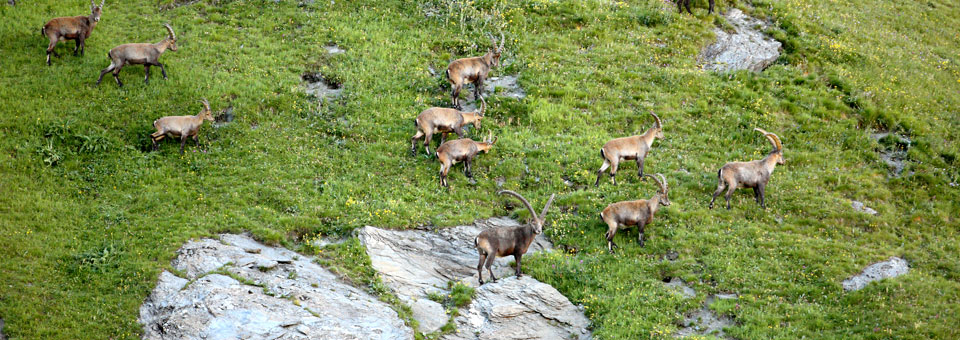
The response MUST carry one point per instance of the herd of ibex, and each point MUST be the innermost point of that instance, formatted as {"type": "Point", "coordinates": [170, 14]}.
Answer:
{"type": "Point", "coordinates": [491, 243]}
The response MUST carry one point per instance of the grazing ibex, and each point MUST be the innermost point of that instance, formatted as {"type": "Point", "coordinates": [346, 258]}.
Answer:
{"type": "Point", "coordinates": [461, 150]}
{"type": "Point", "coordinates": [753, 174]}
{"type": "Point", "coordinates": [443, 120]}
{"type": "Point", "coordinates": [687, 4]}
{"type": "Point", "coordinates": [629, 148]}
{"type": "Point", "coordinates": [139, 54]}
{"type": "Point", "coordinates": [472, 70]}
{"type": "Point", "coordinates": [500, 242]}
{"type": "Point", "coordinates": [639, 213]}
{"type": "Point", "coordinates": [76, 28]}
{"type": "Point", "coordinates": [181, 126]}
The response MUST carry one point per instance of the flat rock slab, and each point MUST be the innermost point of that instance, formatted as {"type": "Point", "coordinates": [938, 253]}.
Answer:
{"type": "Point", "coordinates": [892, 267]}
{"type": "Point", "coordinates": [704, 321]}
{"type": "Point", "coordinates": [509, 85]}
{"type": "Point", "coordinates": [523, 308]}
{"type": "Point", "coordinates": [859, 206]}
{"type": "Point", "coordinates": [237, 288]}
{"type": "Point", "coordinates": [414, 263]}
{"type": "Point", "coordinates": [747, 48]}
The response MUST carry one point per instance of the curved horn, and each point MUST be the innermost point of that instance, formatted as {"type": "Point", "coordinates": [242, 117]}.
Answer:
{"type": "Point", "coordinates": [172, 36]}
{"type": "Point", "coordinates": [533, 213]}
{"type": "Point", "coordinates": [776, 139]}
{"type": "Point", "coordinates": [102, 2]}
{"type": "Point", "coordinates": [659, 123]}
{"type": "Point", "coordinates": [655, 179]}
{"type": "Point", "coordinates": [500, 48]}
{"type": "Point", "coordinates": [93, 4]}
{"type": "Point", "coordinates": [767, 134]}
{"type": "Point", "coordinates": [483, 106]}
{"type": "Point", "coordinates": [206, 104]}
{"type": "Point", "coordinates": [543, 214]}
{"type": "Point", "coordinates": [664, 185]}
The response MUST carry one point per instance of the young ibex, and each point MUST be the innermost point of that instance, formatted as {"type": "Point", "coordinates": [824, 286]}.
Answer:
{"type": "Point", "coordinates": [687, 4]}
{"type": "Point", "coordinates": [753, 174]}
{"type": "Point", "coordinates": [443, 120]}
{"type": "Point", "coordinates": [461, 150]}
{"type": "Point", "coordinates": [76, 28]}
{"type": "Point", "coordinates": [500, 242]}
{"type": "Point", "coordinates": [472, 70]}
{"type": "Point", "coordinates": [639, 213]}
{"type": "Point", "coordinates": [629, 148]}
{"type": "Point", "coordinates": [139, 54]}
{"type": "Point", "coordinates": [181, 126]}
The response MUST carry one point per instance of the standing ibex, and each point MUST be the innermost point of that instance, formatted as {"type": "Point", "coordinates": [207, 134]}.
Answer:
{"type": "Point", "coordinates": [629, 148]}
{"type": "Point", "coordinates": [76, 28]}
{"type": "Point", "coordinates": [753, 174]}
{"type": "Point", "coordinates": [443, 120]}
{"type": "Point", "coordinates": [500, 242]}
{"type": "Point", "coordinates": [461, 150]}
{"type": "Point", "coordinates": [181, 126]}
{"type": "Point", "coordinates": [139, 54]}
{"type": "Point", "coordinates": [687, 4]}
{"type": "Point", "coordinates": [638, 213]}
{"type": "Point", "coordinates": [472, 70]}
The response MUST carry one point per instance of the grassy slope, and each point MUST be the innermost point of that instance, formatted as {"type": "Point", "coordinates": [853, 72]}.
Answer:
{"type": "Point", "coordinates": [84, 240]}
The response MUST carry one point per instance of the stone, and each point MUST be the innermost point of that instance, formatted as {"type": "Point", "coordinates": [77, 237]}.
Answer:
{"type": "Point", "coordinates": [510, 90]}
{"type": "Point", "coordinates": [321, 88]}
{"type": "Point", "coordinates": [429, 313]}
{"type": "Point", "coordinates": [414, 263]}
{"type": "Point", "coordinates": [745, 49]}
{"type": "Point", "coordinates": [520, 308]}
{"type": "Point", "coordinates": [253, 304]}
{"type": "Point", "coordinates": [859, 206]}
{"type": "Point", "coordinates": [704, 321]}
{"type": "Point", "coordinates": [333, 49]}
{"type": "Point", "coordinates": [681, 287]}
{"type": "Point", "coordinates": [890, 268]}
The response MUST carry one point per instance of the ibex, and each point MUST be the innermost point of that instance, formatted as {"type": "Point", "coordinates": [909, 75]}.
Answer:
{"type": "Point", "coordinates": [181, 126]}
{"type": "Point", "coordinates": [687, 4]}
{"type": "Point", "coordinates": [461, 150]}
{"type": "Point", "coordinates": [139, 54]}
{"type": "Point", "coordinates": [472, 70]}
{"type": "Point", "coordinates": [76, 28]}
{"type": "Point", "coordinates": [500, 242]}
{"type": "Point", "coordinates": [443, 120]}
{"type": "Point", "coordinates": [639, 213]}
{"type": "Point", "coordinates": [629, 148]}
{"type": "Point", "coordinates": [753, 174]}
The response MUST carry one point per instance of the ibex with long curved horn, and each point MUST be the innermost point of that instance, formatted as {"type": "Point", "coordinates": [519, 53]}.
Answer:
{"type": "Point", "coordinates": [472, 70]}
{"type": "Point", "coordinates": [753, 174]}
{"type": "Point", "coordinates": [500, 242]}
{"type": "Point", "coordinates": [77, 28]}
{"type": "Point", "coordinates": [639, 213]}
{"type": "Point", "coordinates": [139, 54]}
{"type": "Point", "coordinates": [629, 148]}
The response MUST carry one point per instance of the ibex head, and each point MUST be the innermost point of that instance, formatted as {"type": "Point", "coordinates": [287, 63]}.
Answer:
{"type": "Point", "coordinates": [496, 50]}
{"type": "Point", "coordinates": [663, 190]}
{"type": "Point", "coordinates": [777, 146]}
{"type": "Point", "coordinates": [207, 114]}
{"type": "Point", "coordinates": [171, 37]}
{"type": "Point", "coordinates": [537, 221]}
{"type": "Point", "coordinates": [658, 125]}
{"type": "Point", "coordinates": [96, 10]}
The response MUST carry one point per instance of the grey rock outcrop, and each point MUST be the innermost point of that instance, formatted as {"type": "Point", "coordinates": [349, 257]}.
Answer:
{"type": "Point", "coordinates": [892, 267]}
{"type": "Point", "coordinates": [415, 263]}
{"type": "Point", "coordinates": [704, 321]}
{"type": "Point", "coordinates": [747, 48]}
{"type": "Point", "coordinates": [859, 206]}
{"type": "Point", "coordinates": [237, 288]}
{"type": "Point", "coordinates": [523, 308]}
{"type": "Point", "coordinates": [510, 90]}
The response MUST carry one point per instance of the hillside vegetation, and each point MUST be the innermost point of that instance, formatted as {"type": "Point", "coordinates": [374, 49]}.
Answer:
{"type": "Point", "coordinates": [89, 215]}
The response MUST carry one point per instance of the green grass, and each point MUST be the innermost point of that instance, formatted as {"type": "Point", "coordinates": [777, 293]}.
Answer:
{"type": "Point", "coordinates": [89, 215]}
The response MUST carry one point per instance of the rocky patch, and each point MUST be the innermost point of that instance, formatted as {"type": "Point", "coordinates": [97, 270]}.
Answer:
{"type": "Point", "coordinates": [321, 88]}
{"type": "Point", "coordinates": [892, 267]}
{"type": "Point", "coordinates": [237, 288]}
{"type": "Point", "coordinates": [893, 151]}
{"type": "Point", "coordinates": [416, 263]}
{"type": "Point", "coordinates": [859, 206]}
{"type": "Point", "coordinates": [333, 49]}
{"type": "Point", "coordinates": [509, 89]}
{"type": "Point", "coordinates": [681, 287]}
{"type": "Point", "coordinates": [704, 321]}
{"type": "Point", "coordinates": [747, 48]}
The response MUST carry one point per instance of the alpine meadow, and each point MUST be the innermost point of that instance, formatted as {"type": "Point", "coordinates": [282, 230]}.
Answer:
{"type": "Point", "coordinates": [864, 97]}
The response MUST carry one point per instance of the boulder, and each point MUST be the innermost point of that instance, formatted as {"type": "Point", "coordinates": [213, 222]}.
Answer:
{"type": "Point", "coordinates": [237, 288]}
{"type": "Point", "coordinates": [892, 267]}
{"type": "Point", "coordinates": [747, 48]}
